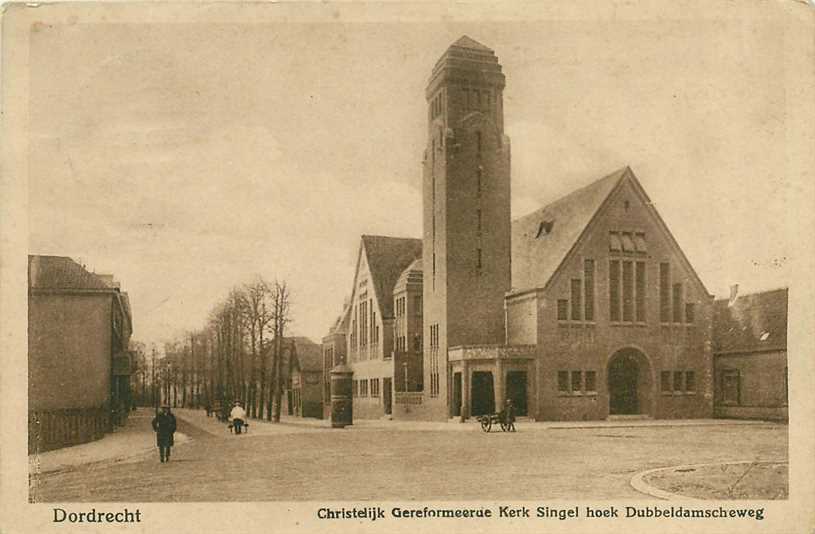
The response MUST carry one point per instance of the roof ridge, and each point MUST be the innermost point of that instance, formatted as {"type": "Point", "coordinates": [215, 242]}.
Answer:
{"type": "Point", "coordinates": [621, 172]}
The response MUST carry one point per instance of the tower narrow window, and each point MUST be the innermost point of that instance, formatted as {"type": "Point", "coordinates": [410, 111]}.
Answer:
{"type": "Point", "coordinates": [478, 215]}
{"type": "Point", "coordinates": [479, 176]}
{"type": "Point", "coordinates": [478, 258]}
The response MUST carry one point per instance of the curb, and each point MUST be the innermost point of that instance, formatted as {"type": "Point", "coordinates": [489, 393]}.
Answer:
{"type": "Point", "coordinates": [638, 481]}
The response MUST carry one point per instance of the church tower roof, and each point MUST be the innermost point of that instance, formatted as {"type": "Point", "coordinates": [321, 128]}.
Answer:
{"type": "Point", "coordinates": [465, 41]}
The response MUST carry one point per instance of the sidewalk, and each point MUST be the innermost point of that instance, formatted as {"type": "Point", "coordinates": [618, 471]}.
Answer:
{"type": "Point", "coordinates": [289, 423]}
{"type": "Point", "coordinates": [133, 440]}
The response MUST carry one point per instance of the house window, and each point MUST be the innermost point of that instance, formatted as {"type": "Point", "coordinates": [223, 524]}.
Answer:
{"type": "Point", "coordinates": [614, 289]}
{"type": "Point", "coordinates": [730, 386]}
{"type": "Point", "coordinates": [614, 242]}
{"type": "Point", "coordinates": [577, 381]}
{"type": "Point", "coordinates": [665, 381]}
{"type": "Point", "coordinates": [628, 291]}
{"type": "Point", "coordinates": [562, 310]}
{"type": "Point", "coordinates": [591, 382]}
{"type": "Point", "coordinates": [588, 289]}
{"type": "Point", "coordinates": [576, 304]}
{"type": "Point", "coordinates": [640, 277]}
{"type": "Point", "coordinates": [690, 381]}
{"type": "Point", "coordinates": [677, 303]}
{"type": "Point", "coordinates": [664, 292]}
{"type": "Point", "coordinates": [363, 388]}
{"type": "Point", "coordinates": [677, 381]}
{"type": "Point", "coordinates": [563, 381]}
{"type": "Point", "coordinates": [690, 312]}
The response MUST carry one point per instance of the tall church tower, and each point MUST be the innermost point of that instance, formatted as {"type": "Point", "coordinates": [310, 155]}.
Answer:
{"type": "Point", "coordinates": [466, 205]}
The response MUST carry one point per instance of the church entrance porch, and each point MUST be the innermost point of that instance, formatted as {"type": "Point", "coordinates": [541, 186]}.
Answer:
{"type": "Point", "coordinates": [516, 391]}
{"type": "Point", "coordinates": [482, 377]}
{"type": "Point", "coordinates": [629, 383]}
{"type": "Point", "coordinates": [482, 394]}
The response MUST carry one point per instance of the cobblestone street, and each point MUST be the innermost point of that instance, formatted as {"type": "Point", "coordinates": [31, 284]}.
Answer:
{"type": "Point", "coordinates": [302, 462]}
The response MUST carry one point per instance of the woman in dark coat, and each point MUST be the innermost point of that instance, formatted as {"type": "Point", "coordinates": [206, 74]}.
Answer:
{"type": "Point", "coordinates": [164, 427]}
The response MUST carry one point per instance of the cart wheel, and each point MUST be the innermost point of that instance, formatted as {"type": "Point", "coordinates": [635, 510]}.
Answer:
{"type": "Point", "coordinates": [504, 427]}
{"type": "Point", "coordinates": [486, 424]}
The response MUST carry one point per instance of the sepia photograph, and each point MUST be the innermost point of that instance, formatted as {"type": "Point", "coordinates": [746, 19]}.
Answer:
{"type": "Point", "coordinates": [350, 255]}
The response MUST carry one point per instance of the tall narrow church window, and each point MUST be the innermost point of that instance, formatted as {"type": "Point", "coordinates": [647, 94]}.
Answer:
{"type": "Point", "coordinates": [614, 289]}
{"type": "Point", "coordinates": [664, 292]}
{"type": "Point", "coordinates": [628, 291]}
{"type": "Point", "coordinates": [640, 282]}
{"type": "Point", "coordinates": [588, 289]}
{"type": "Point", "coordinates": [576, 300]}
{"type": "Point", "coordinates": [677, 303]}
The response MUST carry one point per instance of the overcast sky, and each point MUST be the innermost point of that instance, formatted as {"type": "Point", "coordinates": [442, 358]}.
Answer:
{"type": "Point", "coordinates": [186, 158]}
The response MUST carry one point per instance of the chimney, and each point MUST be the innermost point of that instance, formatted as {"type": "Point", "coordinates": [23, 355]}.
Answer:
{"type": "Point", "coordinates": [734, 293]}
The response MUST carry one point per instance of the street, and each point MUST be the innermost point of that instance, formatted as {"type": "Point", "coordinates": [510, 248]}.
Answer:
{"type": "Point", "coordinates": [297, 462]}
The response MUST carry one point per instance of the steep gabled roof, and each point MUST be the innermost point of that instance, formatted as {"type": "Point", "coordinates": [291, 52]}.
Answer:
{"type": "Point", "coordinates": [387, 258]}
{"type": "Point", "coordinates": [60, 272]}
{"type": "Point", "coordinates": [752, 323]}
{"type": "Point", "coordinates": [542, 239]}
{"type": "Point", "coordinates": [309, 355]}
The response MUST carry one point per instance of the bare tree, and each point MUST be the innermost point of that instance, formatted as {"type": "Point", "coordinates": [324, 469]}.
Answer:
{"type": "Point", "coordinates": [280, 319]}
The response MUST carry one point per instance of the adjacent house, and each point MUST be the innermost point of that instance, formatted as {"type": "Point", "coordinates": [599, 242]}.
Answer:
{"type": "Point", "coordinates": [79, 327]}
{"type": "Point", "coordinates": [750, 355]}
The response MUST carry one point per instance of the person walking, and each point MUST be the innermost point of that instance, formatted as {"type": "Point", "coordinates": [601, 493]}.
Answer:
{"type": "Point", "coordinates": [164, 427]}
{"type": "Point", "coordinates": [238, 417]}
{"type": "Point", "coordinates": [509, 416]}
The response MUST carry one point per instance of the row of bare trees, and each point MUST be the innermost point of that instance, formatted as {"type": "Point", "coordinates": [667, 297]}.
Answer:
{"type": "Point", "coordinates": [238, 355]}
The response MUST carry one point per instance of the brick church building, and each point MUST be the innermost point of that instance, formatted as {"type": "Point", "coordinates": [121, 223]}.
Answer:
{"type": "Point", "coordinates": [584, 309]}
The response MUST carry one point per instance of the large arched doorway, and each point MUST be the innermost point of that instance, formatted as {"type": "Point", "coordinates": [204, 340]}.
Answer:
{"type": "Point", "coordinates": [629, 383]}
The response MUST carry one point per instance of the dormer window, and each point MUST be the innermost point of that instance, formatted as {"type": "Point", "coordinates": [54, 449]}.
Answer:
{"type": "Point", "coordinates": [639, 242]}
{"type": "Point", "coordinates": [544, 229]}
{"type": "Point", "coordinates": [628, 242]}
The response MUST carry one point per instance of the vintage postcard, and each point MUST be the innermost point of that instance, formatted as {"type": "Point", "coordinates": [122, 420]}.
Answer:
{"type": "Point", "coordinates": [360, 267]}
